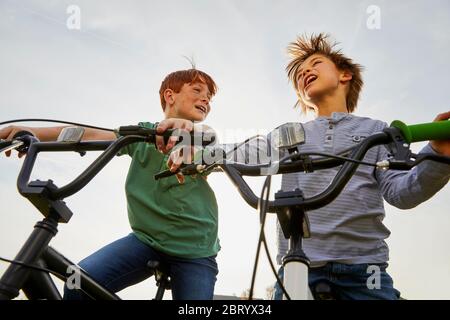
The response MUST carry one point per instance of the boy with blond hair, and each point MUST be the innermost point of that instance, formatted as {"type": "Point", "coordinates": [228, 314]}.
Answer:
{"type": "Point", "coordinates": [348, 235]}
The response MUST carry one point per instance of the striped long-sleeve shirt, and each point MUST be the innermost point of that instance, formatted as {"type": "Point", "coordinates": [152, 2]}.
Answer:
{"type": "Point", "coordinates": [350, 229]}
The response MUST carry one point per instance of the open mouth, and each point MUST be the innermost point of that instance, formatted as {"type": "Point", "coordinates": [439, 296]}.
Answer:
{"type": "Point", "coordinates": [308, 80]}
{"type": "Point", "coordinates": [201, 108]}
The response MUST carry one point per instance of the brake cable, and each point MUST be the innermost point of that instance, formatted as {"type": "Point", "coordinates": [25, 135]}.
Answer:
{"type": "Point", "coordinates": [55, 121]}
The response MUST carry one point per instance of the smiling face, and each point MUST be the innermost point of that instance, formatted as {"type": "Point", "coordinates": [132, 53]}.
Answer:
{"type": "Point", "coordinates": [191, 103]}
{"type": "Point", "coordinates": [317, 77]}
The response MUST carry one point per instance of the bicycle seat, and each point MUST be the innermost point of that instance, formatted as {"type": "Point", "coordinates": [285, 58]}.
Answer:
{"type": "Point", "coordinates": [323, 291]}
{"type": "Point", "coordinates": [161, 272]}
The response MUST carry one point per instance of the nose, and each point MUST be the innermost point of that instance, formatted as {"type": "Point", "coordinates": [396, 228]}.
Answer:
{"type": "Point", "coordinates": [302, 75]}
{"type": "Point", "coordinates": [305, 72]}
{"type": "Point", "coordinates": [205, 98]}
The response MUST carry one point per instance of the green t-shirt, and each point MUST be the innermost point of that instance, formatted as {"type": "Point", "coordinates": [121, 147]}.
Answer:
{"type": "Point", "coordinates": [178, 219]}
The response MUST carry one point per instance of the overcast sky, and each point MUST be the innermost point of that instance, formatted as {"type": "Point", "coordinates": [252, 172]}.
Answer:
{"type": "Point", "coordinates": [108, 73]}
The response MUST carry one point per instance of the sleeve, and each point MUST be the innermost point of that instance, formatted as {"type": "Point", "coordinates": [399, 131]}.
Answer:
{"type": "Point", "coordinates": [253, 152]}
{"type": "Point", "coordinates": [131, 148]}
{"type": "Point", "coordinates": [407, 189]}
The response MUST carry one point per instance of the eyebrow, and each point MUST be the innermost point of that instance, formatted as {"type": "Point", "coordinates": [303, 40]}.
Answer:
{"type": "Point", "coordinates": [299, 71]}
{"type": "Point", "coordinates": [208, 93]}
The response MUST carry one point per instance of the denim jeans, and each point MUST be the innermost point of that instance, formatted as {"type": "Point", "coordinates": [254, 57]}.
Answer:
{"type": "Point", "coordinates": [124, 263]}
{"type": "Point", "coordinates": [351, 281]}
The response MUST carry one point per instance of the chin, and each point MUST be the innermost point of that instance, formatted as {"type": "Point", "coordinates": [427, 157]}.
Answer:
{"type": "Point", "coordinates": [314, 94]}
{"type": "Point", "coordinates": [199, 118]}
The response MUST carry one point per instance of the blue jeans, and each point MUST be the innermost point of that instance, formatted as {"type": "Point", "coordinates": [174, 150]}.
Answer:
{"type": "Point", "coordinates": [350, 281]}
{"type": "Point", "coordinates": [124, 263]}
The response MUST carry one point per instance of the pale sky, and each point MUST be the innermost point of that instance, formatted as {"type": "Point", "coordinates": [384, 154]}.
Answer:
{"type": "Point", "coordinates": [109, 71]}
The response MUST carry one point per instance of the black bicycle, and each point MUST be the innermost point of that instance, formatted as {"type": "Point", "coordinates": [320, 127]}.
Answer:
{"type": "Point", "coordinates": [30, 270]}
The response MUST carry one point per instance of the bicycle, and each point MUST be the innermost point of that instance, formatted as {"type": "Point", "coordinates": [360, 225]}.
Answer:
{"type": "Point", "coordinates": [30, 270]}
{"type": "Point", "coordinates": [291, 206]}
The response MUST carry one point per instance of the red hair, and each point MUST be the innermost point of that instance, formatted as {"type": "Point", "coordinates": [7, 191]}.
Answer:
{"type": "Point", "coordinates": [177, 79]}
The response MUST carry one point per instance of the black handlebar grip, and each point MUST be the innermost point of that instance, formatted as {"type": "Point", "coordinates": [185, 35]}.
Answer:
{"type": "Point", "coordinates": [24, 136]}
{"type": "Point", "coordinates": [205, 138]}
{"type": "Point", "coordinates": [194, 137]}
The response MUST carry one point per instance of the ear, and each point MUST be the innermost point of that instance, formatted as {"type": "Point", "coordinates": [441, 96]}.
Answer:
{"type": "Point", "coordinates": [345, 76]}
{"type": "Point", "coordinates": [169, 96]}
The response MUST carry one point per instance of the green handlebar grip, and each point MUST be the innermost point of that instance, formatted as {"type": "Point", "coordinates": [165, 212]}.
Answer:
{"type": "Point", "coordinates": [439, 130]}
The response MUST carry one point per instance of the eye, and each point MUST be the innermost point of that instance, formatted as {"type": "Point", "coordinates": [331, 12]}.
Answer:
{"type": "Point", "coordinates": [197, 90]}
{"type": "Point", "coordinates": [316, 62]}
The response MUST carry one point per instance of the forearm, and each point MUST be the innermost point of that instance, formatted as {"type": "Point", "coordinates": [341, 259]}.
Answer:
{"type": "Point", "coordinates": [96, 134]}
{"type": "Point", "coordinates": [406, 190]}
{"type": "Point", "coordinates": [46, 133]}
{"type": "Point", "coordinates": [52, 133]}
{"type": "Point", "coordinates": [253, 152]}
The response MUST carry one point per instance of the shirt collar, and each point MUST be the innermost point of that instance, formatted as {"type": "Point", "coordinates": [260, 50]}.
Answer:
{"type": "Point", "coordinates": [335, 116]}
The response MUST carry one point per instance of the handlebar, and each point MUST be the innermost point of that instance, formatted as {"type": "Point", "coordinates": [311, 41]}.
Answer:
{"type": "Point", "coordinates": [397, 134]}
{"type": "Point", "coordinates": [128, 135]}
{"type": "Point", "coordinates": [397, 137]}
{"type": "Point", "coordinates": [203, 137]}
{"type": "Point", "coordinates": [438, 130]}
{"type": "Point", "coordinates": [236, 171]}
{"type": "Point", "coordinates": [111, 149]}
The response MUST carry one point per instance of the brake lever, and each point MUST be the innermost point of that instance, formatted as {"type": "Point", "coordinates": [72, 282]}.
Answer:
{"type": "Point", "coordinates": [165, 174]}
{"type": "Point", "coordinates": [9, 145]}
{"type": "Point", "coordinates": [408, 164]}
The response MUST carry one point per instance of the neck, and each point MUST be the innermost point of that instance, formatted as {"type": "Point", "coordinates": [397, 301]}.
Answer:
{"type": "Point", "coordinates": [168, 113]}
{"type": "Point", "coordinates": [329, 104]}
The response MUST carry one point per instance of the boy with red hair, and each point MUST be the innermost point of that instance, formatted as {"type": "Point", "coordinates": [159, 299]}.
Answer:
{"type": "Point", "coordinates": [176, 224]}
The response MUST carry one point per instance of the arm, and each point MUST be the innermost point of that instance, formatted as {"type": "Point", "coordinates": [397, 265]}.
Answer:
{"type": "Point", "coordinates": [407, 189]}
{"type": "Point", "coordinates": [253, 152]}
{"type": "Point", "coordinates": [52, 133]}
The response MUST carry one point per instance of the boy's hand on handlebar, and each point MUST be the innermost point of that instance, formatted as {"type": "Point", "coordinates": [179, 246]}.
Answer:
{"type": "Point", "coordinates": [8, 133]}
{"type": "Point", "coordinates": [442, 146]}
{"type": "Point", "coordinates": [171, 123]}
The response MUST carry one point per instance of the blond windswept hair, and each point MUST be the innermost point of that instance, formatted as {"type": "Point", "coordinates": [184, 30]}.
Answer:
{"type": "Point", "coordinates": [305, 47]}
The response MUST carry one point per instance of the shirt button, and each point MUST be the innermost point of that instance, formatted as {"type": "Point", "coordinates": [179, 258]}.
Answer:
{"type": "Point", "coordinates": [331, 127]}
{"type": "Point", "coordinates": [329, 138]}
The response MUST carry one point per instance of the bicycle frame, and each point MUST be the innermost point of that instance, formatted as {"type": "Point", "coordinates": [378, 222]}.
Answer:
{"type": "Point", "coordinates": [39, 285]}
{"type": "Point", "coordinates": [47, 198]}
